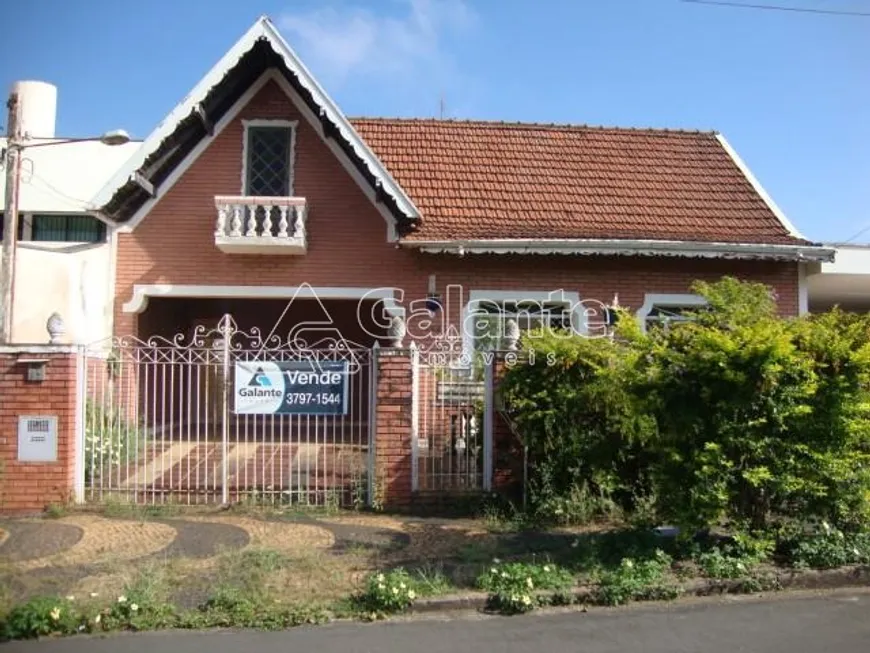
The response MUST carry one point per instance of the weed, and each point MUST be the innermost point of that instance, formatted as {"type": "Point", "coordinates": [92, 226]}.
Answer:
{"type": "Point", "coordinates": [643, 580]}
{"type": "Point", "coordinates": [430, 580]}
{"type": "Point", "coordinates": [55, 511]}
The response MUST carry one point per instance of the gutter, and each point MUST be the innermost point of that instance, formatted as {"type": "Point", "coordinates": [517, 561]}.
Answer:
{"type": "Point", "coordinates": [611, 247]}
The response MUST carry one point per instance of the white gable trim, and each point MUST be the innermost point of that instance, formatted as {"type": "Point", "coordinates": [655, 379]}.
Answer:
{"type": "Point", "coordinates": [195, 153]}
{"type": "Point", "coordinates": [261, 29]}
{"type": "Point", "coordinates": [274, 76]}
{"type": "Point", "coordinates": [784, 221]}
{"type": "Point", "coordinates": [289, 124]}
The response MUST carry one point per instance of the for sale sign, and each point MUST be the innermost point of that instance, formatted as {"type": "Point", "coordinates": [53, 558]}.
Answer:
{"type": "Point", "coordinates": [291, 388]}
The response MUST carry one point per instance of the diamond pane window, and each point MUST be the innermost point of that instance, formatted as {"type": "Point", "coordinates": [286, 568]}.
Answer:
{"type": "Point", "coordinates": [268, 164]}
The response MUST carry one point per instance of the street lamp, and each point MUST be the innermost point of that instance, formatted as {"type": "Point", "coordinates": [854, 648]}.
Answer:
{"type": "Point", "coordinates": [12, 156]}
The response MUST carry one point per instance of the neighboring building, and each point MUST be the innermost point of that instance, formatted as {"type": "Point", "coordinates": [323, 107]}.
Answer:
{"type": "Point", "coordinates": [63, 261]}
{"type": "Point", "coordinates": [844, 282]}
{"type": "Point", "coordinates": [257, 184]}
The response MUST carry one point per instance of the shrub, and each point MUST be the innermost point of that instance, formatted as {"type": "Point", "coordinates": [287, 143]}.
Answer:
{"type": "Point", "coordinates": [583, 427]}
{"type": "Point", "coordinates": [387, 593]}
{"type": "Point", "coordinates": [826, 547]}
{"type": "Point", "coordinates": [759, 415]}
{"type": "Point", "coordinates": [644, 580]}
{"type": "Point", "coordinates": [39, 617]}
{"type": "Point", "coordinates": [512, 587]}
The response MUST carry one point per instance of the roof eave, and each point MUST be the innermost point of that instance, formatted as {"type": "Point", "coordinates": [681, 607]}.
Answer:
{"type": "Point", "coordinates": [262, 29]}
{"type": "Point", "coordinates": [611, 247]}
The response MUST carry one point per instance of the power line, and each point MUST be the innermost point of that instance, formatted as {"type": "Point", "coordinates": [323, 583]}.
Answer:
{"type": "Point", "coordinates": [803, 10]}
{"type": "Point", "coordinates": [860, 232]}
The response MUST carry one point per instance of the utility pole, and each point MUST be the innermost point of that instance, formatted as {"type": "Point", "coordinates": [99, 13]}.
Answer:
{"type": "Point", "coordinates": [10, 221]}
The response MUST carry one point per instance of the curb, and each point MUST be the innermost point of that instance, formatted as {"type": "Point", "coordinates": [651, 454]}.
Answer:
{"type": "Point", "coordinates": [814, 579]}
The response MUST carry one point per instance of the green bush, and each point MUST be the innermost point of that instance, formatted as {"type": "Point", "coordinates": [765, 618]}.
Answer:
{"type": "Point", "coordinates": [583, 427]}
{"type": "Point", "coordinates": [737, 415]}
{"type": "Point", "coordinates": [513, 586]}
{"type": "Point", "coordinates": [758, 415]}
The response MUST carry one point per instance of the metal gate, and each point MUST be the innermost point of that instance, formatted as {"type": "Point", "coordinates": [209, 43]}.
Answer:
{"type": "Point", "coordinates": [160, 423]}
{"type": "Point", "coordinates": [452, 425]}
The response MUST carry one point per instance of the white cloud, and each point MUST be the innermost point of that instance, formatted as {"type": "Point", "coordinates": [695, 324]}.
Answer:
{"type": "Point", "coordinates": [353, 42]}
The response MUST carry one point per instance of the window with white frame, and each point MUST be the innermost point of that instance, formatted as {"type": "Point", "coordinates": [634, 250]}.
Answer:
{"type": "Point", "coordinates": [268, 152]}
{"type": "Point", "coordinates": [662, 310]}
{"type": "Point", "coordinates": [488, 316]}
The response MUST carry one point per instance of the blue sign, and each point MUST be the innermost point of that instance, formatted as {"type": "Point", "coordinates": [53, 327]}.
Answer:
{"type": "Point", "coordinates": [291, 388]}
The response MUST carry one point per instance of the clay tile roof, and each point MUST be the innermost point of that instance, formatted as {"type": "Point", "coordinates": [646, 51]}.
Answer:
{"type": "Point", "coordinates": [478, 180]}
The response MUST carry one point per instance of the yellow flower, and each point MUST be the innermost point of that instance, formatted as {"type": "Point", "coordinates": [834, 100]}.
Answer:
{"type": "Point", "coordinates": [55, 614]}
{"type": "Point", "coordinates": [546, 568]}
{"type": "Point", "coordinates": [395, 590]}
{"type": "Point", "coordinates": [134, 607]}
{"type": "Point", "coordinates": [97, 619]}
{"type": "Point", "coordinates": [70, 598]}
{"type": "Point", "coordinates": [529, 583]}
{"type": "Point", "coordinates": [401, 586]}
{"type": "Point", "coordinates": [412, 595]}
{"type": "Point", "coordinates": [122, 599]}
{"type": "Point", "coordinates": [380, 578]}
{"type": "Point", "coordinates": [527, 600]}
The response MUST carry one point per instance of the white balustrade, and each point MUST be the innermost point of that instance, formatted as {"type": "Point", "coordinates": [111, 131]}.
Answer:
{"type": "Point", "coordinates": [261, 225]}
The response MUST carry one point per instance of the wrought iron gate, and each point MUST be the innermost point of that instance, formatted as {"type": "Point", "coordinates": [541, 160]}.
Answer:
{"type": "Point", "coordinates": [160, 424]}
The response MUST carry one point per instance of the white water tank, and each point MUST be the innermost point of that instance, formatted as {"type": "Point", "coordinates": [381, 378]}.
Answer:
{"type": "Point", "coordinates": [37, 108]}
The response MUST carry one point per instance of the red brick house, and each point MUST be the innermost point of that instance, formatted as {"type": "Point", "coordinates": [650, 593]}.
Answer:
{"type": "Point", "coordinates": [353, 205]}
{"type": "Point", "coordinates": [257, 197]}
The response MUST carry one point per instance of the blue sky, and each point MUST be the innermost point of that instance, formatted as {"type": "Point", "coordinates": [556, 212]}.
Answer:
{"type": "Point", "coordinates": [790, 91]}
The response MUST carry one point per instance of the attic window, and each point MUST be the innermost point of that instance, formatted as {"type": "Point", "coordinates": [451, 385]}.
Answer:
{"type": "Point", "coordinates": [268, 163]}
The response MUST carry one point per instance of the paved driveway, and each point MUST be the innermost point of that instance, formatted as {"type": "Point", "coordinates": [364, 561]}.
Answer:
{"type": "Point", "coordinates": [794, 623]}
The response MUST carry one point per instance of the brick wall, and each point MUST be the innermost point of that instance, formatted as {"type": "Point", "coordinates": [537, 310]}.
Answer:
{"type": "Point", "coordinates": [31, 486]}
{"type": "Point", "coordinates": [348, 247]}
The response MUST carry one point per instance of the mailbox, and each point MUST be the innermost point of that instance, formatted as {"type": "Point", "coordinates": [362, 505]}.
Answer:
{"type": "Point", "coordinates": [37, 438]}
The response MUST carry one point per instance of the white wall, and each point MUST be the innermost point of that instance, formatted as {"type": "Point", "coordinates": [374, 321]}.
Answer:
{"type": "Point", "coordinates": [72, 279]}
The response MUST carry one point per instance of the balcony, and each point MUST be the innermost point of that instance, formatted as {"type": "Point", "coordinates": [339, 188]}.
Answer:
{"type": "Point", "coordinates": [261, 225]}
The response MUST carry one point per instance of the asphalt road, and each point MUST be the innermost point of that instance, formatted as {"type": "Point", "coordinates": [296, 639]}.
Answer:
{"type": "Point", "coordinates": [794, 623]}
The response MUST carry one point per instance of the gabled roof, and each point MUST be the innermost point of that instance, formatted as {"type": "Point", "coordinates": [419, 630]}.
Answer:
{"type": "Point", "coordinates": [260, 49]}
{"type": "Point", "coordinates": [475, 181]}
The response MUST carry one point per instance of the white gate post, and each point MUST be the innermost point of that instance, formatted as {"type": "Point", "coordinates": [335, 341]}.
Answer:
{"type": "Point", "coordinates": [226, 330]}
{"type": "Point", "coordinates": [373, 419]}
{"type": "Point", "coordinates": [488, 415]}
{"type": "Point", "coordinates": [415, 417]}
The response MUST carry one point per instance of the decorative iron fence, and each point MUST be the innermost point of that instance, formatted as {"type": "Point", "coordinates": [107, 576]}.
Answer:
{"type": "Point", "coordinates": [164, 420]}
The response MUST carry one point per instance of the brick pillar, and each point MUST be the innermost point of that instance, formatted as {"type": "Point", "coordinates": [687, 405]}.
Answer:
{"type": "Point", "coordinates": [393, 428]}
{"type": "Point", "coordinates": [31, 486]}
{"type": "Point", "coordinates": [507, 465]}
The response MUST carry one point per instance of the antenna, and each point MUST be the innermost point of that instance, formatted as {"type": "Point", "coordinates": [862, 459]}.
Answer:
{"type": "Point", "coordinates": [441, 107]}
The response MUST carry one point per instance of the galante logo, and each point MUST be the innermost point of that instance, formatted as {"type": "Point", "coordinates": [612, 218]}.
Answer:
{"type": "Point", "coordinates": [260, 380]}
{"type": "Point", "coordinates": [260, 386]}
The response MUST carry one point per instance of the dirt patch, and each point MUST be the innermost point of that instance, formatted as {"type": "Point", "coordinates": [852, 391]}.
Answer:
{"type": "Point", "coordinates": [31, 540]}
{"type": "Point", "coordinates": [105, 540]}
